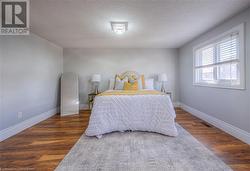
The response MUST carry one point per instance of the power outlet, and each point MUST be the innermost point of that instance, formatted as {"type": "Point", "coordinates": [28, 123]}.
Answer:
{"type": "Point", "coordinates": [20, 115]}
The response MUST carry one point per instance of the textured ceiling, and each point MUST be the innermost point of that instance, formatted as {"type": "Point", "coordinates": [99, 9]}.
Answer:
{"type": "Point", "coordinates": [152, 23]}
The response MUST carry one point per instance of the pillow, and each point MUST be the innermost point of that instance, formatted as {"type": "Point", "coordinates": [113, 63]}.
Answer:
{"type": "Point", "coordinates": [130, 86]}
{"type": "Point", "coordinates": [149, 84]}
{"type": "Point", "coordinates": [141, 82]}
{"type": "Point", "coordinates": [111, 83]}
{"type": "Point", "coordinates": [119, 83]}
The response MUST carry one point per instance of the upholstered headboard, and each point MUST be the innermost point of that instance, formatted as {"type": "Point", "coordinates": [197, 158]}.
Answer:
{"type": "Point", "coordinates": [131, 75]}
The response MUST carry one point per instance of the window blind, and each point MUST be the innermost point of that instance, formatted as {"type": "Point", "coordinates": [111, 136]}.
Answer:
{"type": "Point", "coordinates": [205, 56]}
{"type": "Point", "coordinates": [219, 62]}
{"type": "Point", "coordinates": [228, 48]}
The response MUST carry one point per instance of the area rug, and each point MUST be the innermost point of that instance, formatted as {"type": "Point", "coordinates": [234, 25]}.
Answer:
{"type": "Point", "coordinates": [141, 151]}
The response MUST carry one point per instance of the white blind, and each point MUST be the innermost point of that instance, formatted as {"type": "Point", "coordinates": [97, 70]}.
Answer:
{"type": "Point", "coordinates": [228, 48]}
{"type": "Point", "coordinates": [225, 50]}
{"type": "Point", "coordinates": [218, 62]}
{"type": "Point", "coordinates": [205, 56]}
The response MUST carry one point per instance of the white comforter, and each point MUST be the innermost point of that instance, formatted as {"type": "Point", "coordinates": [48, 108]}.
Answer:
{"type": "Point", "coordinates": [154, 113]}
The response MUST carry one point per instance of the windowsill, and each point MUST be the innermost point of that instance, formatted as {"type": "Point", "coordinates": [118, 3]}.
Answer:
{"type": "Point", "coordinates": [242, 87]}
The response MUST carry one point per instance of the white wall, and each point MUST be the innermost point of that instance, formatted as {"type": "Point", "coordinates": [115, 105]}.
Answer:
{"type": "Point", "coordinates": [109, 62]}
{"type": "Point", "coordinates": [228, 105]}
{"type": "Point", "coordinates": [30, 71]}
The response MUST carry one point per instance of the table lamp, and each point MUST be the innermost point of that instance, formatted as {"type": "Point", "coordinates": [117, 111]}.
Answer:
{"type": "Point", "coordinates": [162, 78]}
{"type": "Point", "coordinates": [96, 79]}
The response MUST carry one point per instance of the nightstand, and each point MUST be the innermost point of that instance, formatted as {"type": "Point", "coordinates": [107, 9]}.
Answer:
{"type": "Point", "coordinates": [91, 98]}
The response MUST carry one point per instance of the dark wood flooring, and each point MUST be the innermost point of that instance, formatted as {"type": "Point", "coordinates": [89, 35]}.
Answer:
{"type": "Point", "coordinates": [44, 145]}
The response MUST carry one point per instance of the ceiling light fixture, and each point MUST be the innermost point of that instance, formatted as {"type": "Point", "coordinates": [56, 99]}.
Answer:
{"type": "Point", "coordinates": [119, 27]}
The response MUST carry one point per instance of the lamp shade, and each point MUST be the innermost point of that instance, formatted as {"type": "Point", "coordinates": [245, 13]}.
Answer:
{"type": "Point", "coordinates": [162, 77]}
{"type": "Point", "coordinates": [96, 78]}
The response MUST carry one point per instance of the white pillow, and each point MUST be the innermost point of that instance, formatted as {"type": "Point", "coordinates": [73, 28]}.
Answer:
{"type": "Point", "coordinates": [149, 84]}
{"type": "Point", "coordinates": [119, 84]}
{"type": "Point", "coordinates": [111, 83]}
{"type": "Point", "coordinates": [140, 86]}
{"type": "Point", "coordinates": [140, 80]}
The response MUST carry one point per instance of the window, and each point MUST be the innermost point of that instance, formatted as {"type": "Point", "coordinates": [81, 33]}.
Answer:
{"type": "Point", "coordinates": [220, 62]}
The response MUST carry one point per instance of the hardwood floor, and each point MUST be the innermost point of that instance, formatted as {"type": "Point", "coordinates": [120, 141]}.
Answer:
{"type": "Point", "coordinates": [44, 145]}
{"type": "Point", "coordinates": [232, 151]}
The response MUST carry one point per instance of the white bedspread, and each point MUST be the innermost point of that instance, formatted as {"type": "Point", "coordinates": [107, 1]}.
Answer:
{"type": "Point", "coordinates": [154, 113]}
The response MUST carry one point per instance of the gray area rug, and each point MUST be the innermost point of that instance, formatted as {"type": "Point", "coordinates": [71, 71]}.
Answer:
{"type": "Point", "coordinates": [141, 151]}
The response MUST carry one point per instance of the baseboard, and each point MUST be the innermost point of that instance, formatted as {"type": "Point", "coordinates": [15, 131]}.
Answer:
{"type": "Point", "coordinates": [226, 127]}
{"type": "Point", "coordinates": [176, 104]}
{"type": "Point", "coordinates": [84, 106]}
{"type": "Point", "coordinates": [13, 130]}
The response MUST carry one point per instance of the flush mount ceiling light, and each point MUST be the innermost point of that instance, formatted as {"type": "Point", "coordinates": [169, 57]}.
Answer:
{"type": "Point", "coordinates": [119, 27]}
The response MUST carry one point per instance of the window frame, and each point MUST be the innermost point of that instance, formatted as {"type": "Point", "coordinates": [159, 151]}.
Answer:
{"type": "Point", "coordinates": [240, 29]}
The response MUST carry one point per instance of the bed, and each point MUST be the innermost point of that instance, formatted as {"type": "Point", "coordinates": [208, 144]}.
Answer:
{"type": "Point", "coordinates": [137, 110]}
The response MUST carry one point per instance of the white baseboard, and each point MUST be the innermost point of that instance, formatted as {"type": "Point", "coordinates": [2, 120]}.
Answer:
{"type": "Point", "coordinates": [176, 104]}
{"type": "Point", "coordinates": [228, 128]}
{"type": "Point", "coordinates": [84, 106]}
{"type": "Point", "coordinates": [13, 130]}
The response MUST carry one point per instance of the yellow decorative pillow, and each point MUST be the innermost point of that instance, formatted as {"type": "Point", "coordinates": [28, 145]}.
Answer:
{"type": "Point", "coordinates": [130, 86]}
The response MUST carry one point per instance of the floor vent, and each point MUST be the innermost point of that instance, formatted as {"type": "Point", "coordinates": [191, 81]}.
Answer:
{"type": "Point", "coordinates": [206, 124]}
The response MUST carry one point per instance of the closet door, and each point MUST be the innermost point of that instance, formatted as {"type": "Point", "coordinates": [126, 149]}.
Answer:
{"type": "Point", "coordinates": [69, 94]}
